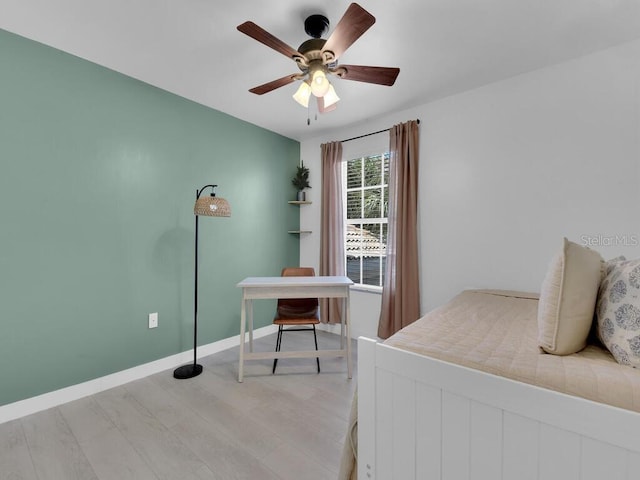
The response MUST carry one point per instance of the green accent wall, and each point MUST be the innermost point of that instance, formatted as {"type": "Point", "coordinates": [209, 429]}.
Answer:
{"type": "Point", "coordinates": [98, 176]}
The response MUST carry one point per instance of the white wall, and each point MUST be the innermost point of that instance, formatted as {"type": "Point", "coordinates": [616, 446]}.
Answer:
{"type": "Point", "coordinates": [508, 169]}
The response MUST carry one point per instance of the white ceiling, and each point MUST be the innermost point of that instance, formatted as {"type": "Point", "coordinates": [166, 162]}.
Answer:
{"type": "Point", "coordinates": [192, 47]}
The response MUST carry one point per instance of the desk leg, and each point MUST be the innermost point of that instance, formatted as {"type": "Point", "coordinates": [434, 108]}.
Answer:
{"type": "Point", "coordinates": [348, 339]}
{"type": "Point", "coordinates": [243, 315]}
{"type": "Point", "coordinates": [250, 325]}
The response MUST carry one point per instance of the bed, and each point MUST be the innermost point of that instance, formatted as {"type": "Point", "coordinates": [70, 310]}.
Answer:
{"type": "Point", "coordinates": [466, 393]}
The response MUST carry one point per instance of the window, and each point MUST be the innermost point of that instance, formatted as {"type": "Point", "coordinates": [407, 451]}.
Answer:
{"type": "Point", "coordinates": [366, 203]}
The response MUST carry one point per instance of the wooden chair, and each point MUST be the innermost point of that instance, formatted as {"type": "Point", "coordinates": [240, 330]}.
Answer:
{"type": "Point", "coordinates": [296, 312]}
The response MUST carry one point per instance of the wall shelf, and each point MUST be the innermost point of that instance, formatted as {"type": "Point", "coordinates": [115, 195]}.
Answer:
{"type": "Point", "coordinates": [299, 202]}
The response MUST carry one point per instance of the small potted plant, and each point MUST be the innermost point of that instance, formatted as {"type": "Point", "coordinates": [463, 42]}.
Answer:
{"type": "Point", "coordinates": [301, 181]}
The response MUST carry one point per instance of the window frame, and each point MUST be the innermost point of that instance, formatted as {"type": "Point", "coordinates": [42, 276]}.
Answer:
{"type": "Point", "coordinates": [374, 145]}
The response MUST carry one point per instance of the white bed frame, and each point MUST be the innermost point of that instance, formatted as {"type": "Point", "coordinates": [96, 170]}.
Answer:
{"type": "Point", "coordinates": [422, 418]}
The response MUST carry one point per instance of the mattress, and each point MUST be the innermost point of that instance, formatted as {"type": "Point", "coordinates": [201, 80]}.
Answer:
{"type": "Point", "coordinates": [495, 331]}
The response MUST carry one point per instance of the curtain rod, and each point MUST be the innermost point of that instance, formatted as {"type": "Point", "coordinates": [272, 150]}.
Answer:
{"type": "Point", "coordinates": [369, 134]}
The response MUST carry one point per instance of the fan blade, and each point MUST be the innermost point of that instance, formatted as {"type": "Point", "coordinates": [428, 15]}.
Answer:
{"type": "Point", "coordinates": [321, 107]}
{"type": "Point", "coordinates": [261, 35]}
{"type": "Point", "coordinates": [280, 82]}
{"type": "Point", "coordinates": [355, 21]}
{"type": "Point", "coordinates": [363, 73]}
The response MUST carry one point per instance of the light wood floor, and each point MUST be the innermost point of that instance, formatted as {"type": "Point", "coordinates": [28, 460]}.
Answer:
{"type": "Point", "coordinates": [290, 425]}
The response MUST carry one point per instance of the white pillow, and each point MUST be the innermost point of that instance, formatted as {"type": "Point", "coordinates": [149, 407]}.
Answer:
{"type": "Point", "coordinates": [568, 298]}
{"type": "Point", "coordinates": [618, 312]}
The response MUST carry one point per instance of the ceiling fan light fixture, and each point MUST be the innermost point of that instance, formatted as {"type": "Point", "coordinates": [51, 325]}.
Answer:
{"type": "Point", "coordinates": [302, 94]}
{"type": "Point", "coordinates": [330, 97]}
{"type": "Point", "coordinates": [319, 83]}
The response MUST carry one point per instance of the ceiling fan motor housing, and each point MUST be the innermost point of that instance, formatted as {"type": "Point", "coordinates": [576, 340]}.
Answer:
{"type": "Point", "coordinates": [308, 47]}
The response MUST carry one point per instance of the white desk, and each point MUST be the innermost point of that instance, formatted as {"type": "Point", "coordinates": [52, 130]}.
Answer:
{"type": "Point", "coordinates": [293, 287]}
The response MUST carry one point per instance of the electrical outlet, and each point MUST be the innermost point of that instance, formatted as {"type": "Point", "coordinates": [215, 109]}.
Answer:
{"type": "Point", "coordinates": [153, 320]}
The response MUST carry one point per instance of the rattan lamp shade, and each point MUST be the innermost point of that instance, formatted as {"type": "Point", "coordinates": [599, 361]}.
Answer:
{"type": "Point", "coordinates": [210, 206]}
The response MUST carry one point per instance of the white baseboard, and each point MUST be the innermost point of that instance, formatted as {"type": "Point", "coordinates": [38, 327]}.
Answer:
{"type": "Point", "coordinates": [47, 400]}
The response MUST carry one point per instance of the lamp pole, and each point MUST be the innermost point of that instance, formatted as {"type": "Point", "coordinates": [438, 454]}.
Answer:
{"type": "Point", "coordinates": [213, 207]}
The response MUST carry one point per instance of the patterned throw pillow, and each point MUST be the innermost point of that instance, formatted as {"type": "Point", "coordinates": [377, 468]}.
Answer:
{"type": "Point", "coordinates": [618, 312]}
{"type": "Point", "coordinates": [610, 265]}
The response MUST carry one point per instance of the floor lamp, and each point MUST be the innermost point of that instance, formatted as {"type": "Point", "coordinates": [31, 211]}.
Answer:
{"type": "Point", "coordinates": [206, 206]}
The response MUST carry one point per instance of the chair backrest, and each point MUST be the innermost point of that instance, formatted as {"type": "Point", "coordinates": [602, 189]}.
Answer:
{"type": "Point", "coordinates": [298, 272]}
{"type": "Point", "coordinates": [295, 307]}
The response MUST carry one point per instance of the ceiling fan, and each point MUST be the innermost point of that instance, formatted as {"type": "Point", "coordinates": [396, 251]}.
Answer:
{"type": "Point", "coordinates": [316, 58]}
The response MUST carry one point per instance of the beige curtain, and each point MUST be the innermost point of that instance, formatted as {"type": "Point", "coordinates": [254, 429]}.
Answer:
{"type": "Point", "coordinates": [401, 290]}
{"type": "Point", "coordinates": [331, 226]}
